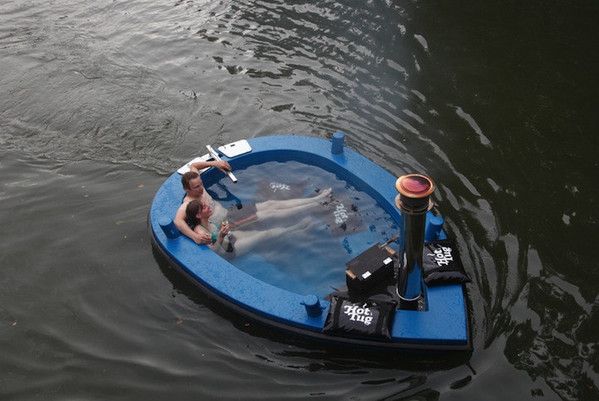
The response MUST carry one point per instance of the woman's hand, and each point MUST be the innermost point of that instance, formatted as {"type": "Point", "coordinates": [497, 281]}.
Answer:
{"type": "Point", "coordinates": [224, 230]}
{"type": "Point", "coordinates": [202, 237]}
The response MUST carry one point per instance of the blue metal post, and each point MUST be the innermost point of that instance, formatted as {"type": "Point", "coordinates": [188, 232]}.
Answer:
{"type": "Point", "coordinates": [170, 229]}
{"type": "Point", "coordinates": [337, 145]}
{"type": "Point", "coordinates": [312, 305]}
{"type": "Point", "coordinates": [434, 225]}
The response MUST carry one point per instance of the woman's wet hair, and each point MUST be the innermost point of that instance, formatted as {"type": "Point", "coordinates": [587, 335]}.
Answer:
{"type": "Point", "coordinates": [190, 175]}
{"type": "Point", "coordinates": [191, 211]}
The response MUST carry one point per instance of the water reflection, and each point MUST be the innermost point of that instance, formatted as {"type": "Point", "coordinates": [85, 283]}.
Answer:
{"type": "Point", "coordinates": [493, 101]}
{"type": "Point", "coordinates": [554, 343]}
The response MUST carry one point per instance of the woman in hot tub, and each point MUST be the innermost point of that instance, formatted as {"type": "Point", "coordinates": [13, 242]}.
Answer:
{"type": "Point", "coordinates": [198, 216]}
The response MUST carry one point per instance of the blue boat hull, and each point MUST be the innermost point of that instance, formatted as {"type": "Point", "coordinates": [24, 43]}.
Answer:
{"type": "Point", "coordinates": [443, 326]}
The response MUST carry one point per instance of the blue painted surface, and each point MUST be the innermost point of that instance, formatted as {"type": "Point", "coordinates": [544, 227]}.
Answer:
{"type": "Point", "coordinates": [337, 142]}
{"type": "Point", "coordinates": [445, 322]}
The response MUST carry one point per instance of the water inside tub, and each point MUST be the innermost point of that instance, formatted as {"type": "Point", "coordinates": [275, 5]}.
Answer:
{"type": "Point", "coordinates": [299, 225]}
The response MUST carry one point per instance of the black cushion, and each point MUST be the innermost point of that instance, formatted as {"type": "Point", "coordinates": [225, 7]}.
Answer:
{"type": "Point", "coordinates": [442, 264]}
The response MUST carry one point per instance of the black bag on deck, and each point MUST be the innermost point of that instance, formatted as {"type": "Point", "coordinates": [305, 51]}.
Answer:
{"type": "Point", "coordinates": [368, 270]}
{"type": "Point", "coordinates": [367, 319]}
{"type": "Point", "coordinates": [442, 264]}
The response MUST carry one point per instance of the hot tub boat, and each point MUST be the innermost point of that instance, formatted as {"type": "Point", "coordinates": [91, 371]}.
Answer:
{"type": "Point", "coordinates": [421, 316]}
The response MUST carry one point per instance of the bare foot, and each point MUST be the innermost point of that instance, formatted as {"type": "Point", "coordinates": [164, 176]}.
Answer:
{"type": "Point", "coordinates": [323, 194]}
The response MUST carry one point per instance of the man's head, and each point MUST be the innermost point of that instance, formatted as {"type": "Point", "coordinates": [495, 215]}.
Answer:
{"type": "Point", "coordinates": [192, 184]}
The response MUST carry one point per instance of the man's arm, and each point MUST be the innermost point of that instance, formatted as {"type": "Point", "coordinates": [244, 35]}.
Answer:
{"type": "Point", "coordinates": [198, 238]}
{"type": "Point", "coordinates": [220, 164]}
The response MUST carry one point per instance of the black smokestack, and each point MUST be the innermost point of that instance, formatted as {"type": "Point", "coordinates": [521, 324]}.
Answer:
{"type": "Point", "coordinates": [413, 201]}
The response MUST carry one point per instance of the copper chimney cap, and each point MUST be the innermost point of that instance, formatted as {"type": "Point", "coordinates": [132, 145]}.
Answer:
{"type": "Point", "coordinates": [414, 192]}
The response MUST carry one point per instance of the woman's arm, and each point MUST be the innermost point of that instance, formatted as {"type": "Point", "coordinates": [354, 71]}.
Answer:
{"type": "Point", "coordinates": [197, 237]}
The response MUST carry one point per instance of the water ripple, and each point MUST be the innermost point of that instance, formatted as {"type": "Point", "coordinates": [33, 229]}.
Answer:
{"type": "Point", "coordinates": [118, 84]}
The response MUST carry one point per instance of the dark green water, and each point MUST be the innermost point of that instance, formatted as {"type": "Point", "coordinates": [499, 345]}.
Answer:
{"type": "Point", "coordinates": [100, 101]}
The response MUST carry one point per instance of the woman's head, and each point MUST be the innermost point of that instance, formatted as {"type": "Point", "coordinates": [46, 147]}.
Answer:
{"type": "Point", "coordinates": [192, 211]}
{"type": "Point", "coordinates": [195, 210]}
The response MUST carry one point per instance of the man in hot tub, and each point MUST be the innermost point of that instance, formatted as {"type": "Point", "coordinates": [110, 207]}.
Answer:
{"type": "Point", "coordinates": [271, 209]}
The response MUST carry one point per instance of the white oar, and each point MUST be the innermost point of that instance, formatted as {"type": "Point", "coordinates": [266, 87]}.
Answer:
{"type": "Point", "coordinates": [217, 158]}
